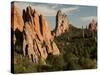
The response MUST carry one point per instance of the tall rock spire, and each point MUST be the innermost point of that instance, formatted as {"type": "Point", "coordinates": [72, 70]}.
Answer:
{"type": "Point", "coordinates": [62, 23]}
{"type": "Point", "coordinates": [92, 25]}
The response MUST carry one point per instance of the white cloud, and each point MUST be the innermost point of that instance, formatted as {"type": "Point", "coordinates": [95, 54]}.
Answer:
{"type": "Point", "coordinates": [43, 9]}
{"type": "Point", "coordinates": [49, 10]}
{"type": "Point", "coordinates": [71, 10]}
{"type": "Point", "coordinates": [88, 18]}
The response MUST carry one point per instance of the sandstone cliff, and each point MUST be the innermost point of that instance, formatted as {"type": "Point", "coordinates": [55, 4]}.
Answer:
{"type": "Point", "coordinates": [62, 23]}
{"type": "Point", "coordinates": [16, 18]}
{"type": "Point", "coordinates": [36, 41]}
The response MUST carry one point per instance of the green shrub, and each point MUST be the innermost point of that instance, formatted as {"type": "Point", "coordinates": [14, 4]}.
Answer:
{"type": "Point", "coordinates": [57, 62]}
{"type": "Point", "coordinates": [23, 65]}
{"type": "Point", "coordinates": [87, 63]}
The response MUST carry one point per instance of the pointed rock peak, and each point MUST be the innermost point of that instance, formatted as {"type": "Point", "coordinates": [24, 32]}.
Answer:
{"type": "Point", "coordinates": [92, 24]}
{"type": "Point", "coordinates": [59, 12]}
{"type": "Point", "coordinates": [28, 9]}
{"type": "Point", "coordinates": [41, 15]}
{"type": "Point", "coordinates": [93, 21]}
{"type": "Point", "coordinates": [62, 23]}
{"type": "Point", "coordinates": [34, 11]}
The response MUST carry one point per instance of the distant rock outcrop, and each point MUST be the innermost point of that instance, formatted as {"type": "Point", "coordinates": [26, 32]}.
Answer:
{"type": "Point", "coordinates": [62, 23]}
{"type": "Point", "coordinates": [37, 41]}
{"type": "Point", "coordinates": [92, 25]}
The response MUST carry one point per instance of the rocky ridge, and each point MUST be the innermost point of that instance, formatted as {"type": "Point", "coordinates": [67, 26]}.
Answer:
{"type": "Point", "coordinates": [32, 35]}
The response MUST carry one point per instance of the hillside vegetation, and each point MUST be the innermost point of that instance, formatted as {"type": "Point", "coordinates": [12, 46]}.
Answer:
{"type": "Point", "coordinates": [78, 51]}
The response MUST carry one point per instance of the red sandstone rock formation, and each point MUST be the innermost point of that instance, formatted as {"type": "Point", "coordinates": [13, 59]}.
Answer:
{"type": "Point", "coordinates": [37, 39]}
{"type": "Point", "coordinates": [62, 23]}
{"type": "Point", "coordinates": [16, 18]}
{"type": "Point", "coordinates": [92, 25]}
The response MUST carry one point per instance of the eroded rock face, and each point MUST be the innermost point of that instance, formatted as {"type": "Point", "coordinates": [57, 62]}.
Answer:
{"type": "Point", "coordinates": [37, 38]}
{"type": "Point", "coordinates": [32, 46]}
{"type": "Point", "coordinates": [16, 19]}
{"type": "Point", "coordinates": [37, 41]}
{"type": "Point", "coordinates": [62, 23]}
{"type": "Point", "coordinates": [92, 25]}
{"type": "Point", "coordinates": [16, 29]}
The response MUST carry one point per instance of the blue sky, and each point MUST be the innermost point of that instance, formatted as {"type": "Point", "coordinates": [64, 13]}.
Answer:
{"type": "Point", "coordinates": [78, 15]}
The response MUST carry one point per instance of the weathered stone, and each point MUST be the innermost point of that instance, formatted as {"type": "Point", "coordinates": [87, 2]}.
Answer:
{"type": "Point", "coordinates": [92, 25]}
{"type": "Point", "coordinates": [16, 19]}
{"type": "Point", "coordinates": [37, 40]}
{"type": "Point", "coordinates": [45, 28]}
{"type": "Point", "coordinates": [16, 29]}
{"type": "Point", "coordinates": [55, 48]}
{"type": "Point", "coordinates": [62, 23]}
